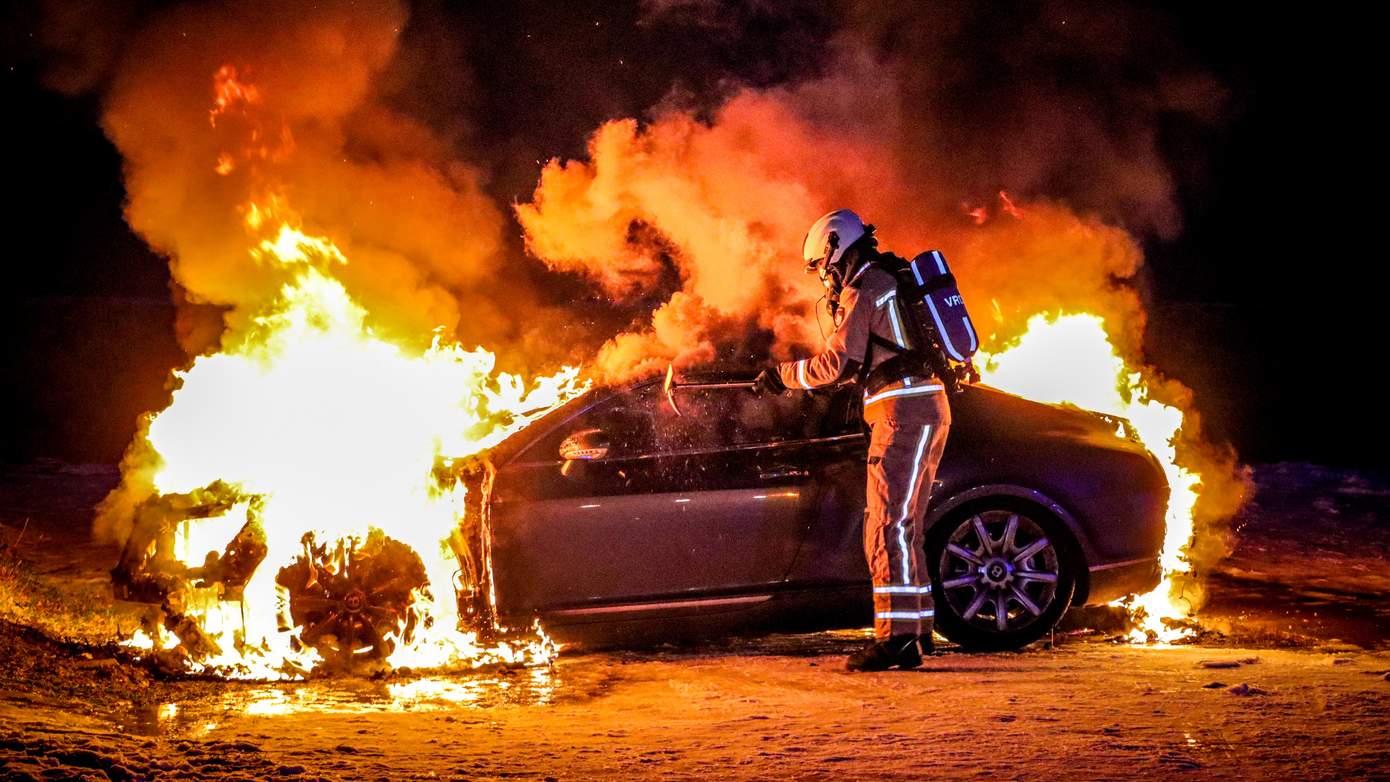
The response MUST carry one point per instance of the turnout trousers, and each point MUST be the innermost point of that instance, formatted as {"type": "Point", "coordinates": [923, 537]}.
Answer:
{"type": "Point", "coordinates": [903, 455]}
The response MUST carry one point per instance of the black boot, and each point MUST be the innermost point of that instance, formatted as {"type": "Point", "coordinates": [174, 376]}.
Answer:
{"type": "Point", "coordinates": [900, 651]}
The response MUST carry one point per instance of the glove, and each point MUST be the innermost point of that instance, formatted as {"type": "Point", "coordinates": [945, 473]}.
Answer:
{"type": "Point", "coordinates": [768, 382]}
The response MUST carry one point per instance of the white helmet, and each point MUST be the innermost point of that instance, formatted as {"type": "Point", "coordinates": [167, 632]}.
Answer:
{"type": "Point", "coordinates": [829, 237]}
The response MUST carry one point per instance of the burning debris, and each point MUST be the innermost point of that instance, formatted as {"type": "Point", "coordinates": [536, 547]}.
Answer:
{"type": "Point", "coordinates": [149, 569]}
{"type": "Point", "coordinates": [336, 463]}
{"type": "Point", "coordinates": [334, 460]}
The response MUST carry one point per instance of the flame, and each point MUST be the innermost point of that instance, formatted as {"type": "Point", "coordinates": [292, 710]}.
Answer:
{"type": "Point", "coordinates": [238, 112]}
{"type": "Point", "coordinates": [231, 93]}
{"type": "Point", "coordinates": [1008, 205]}
{"type": "Point", "coordinates": [1069, 359]}
{"type": "Point", "coordinates": [336, 432]}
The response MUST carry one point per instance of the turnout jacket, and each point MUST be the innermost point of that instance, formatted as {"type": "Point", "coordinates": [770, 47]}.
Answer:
{"type": "Point", "coordinates": [869, 322]}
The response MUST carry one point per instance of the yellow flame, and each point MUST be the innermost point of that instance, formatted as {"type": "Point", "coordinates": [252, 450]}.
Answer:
{"type": "Point", "coordinates": [336, 431]}
{"type": "Point", "coordinates": [1069, 359]}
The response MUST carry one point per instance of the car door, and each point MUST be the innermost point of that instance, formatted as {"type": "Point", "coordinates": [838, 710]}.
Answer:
{"type": "Point", "coordinates": [713, 501]}
{"type": "Point", "coordinates": [832, 553]}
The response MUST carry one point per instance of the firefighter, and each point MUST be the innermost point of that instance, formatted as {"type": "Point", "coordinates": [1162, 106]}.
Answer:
{"type": "Point", "coordinates": [906, 409]}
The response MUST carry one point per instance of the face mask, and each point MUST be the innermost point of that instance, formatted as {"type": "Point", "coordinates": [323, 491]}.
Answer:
{"type": "Point", "coordinates": [826, 278]}
{"type": "Point", "coordinates": [830, 277]}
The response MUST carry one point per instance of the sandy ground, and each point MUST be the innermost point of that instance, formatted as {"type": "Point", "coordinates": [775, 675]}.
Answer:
{"type": "Point", "coordinates": [1296, 685]}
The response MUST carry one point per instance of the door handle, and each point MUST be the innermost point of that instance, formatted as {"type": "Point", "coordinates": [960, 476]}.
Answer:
{"type": "Point", "coordinates": [783, 473]}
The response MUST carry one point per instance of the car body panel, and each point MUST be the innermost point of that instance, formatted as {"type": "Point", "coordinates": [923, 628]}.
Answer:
{"type": "Point", "coordinates": [684, 522]}
{"type": "Point", "coordinates": [614, 544]}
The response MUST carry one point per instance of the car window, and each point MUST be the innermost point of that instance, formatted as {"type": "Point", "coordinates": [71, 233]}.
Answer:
{"type": "Point", "coordinates": [722, 418]}
{"type": "Point", "coordinates": [641, 421]}
{"type": "Point", "coordinates": [624, 417]}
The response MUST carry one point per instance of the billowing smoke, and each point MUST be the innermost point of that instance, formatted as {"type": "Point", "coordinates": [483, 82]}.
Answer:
{"type": "Point", "coordinates": [689, 201]}
{"type": "Point", "coordinates": [305, 118]}
{"type": "Point", "coordinates": [721, 206]}
{"type": "Point", "coordinates": [1026, 145]}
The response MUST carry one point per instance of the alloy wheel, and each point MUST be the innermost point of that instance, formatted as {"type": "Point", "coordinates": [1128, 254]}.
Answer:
{"type": "Point", "coordinates": [999, 571]}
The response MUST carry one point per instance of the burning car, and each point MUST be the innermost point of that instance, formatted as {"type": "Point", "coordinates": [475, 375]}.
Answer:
{"type": "Point", "coordinates": [619, 517]}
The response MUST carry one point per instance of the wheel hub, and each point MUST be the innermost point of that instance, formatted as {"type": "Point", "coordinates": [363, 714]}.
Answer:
{"type": "Point", "coordinates": [999, 571]}
{"type": "Point", "coordinates": [996, 573]}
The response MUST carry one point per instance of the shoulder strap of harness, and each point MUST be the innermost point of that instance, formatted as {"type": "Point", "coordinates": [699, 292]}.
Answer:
{"type": "Point", "coordinates": [926, 360]}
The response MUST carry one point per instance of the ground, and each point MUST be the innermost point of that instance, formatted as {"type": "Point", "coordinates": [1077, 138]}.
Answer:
{"type": "Point", "coordinates": [1291, 680]}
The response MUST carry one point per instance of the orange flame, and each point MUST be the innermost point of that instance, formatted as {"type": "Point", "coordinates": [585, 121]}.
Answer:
{"type": "Point", "coordinates": [336, 432]}
{"type": "Point", "coordinates": [231, 94]}
{"type": "Point", "coordinates": [1009, 206]}
{"type": "Point", "coordinates": [1069, 359]}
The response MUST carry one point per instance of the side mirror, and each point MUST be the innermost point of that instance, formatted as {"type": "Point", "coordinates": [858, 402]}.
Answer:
{"type": "Point", "coordinates": [585, 445]}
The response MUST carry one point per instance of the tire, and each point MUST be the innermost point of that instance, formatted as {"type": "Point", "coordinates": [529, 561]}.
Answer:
{"type": "Point", "coordinates": [1000, 555]}
{"type": "Point", "coordinates": [351, 602]}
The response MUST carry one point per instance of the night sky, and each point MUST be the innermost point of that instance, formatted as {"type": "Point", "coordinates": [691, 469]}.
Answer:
{"type": "Point", "coordinates": [1267, 301]}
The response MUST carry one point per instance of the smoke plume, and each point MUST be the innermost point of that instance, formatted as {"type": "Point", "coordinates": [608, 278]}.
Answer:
{"type": "Point", "coordinates": [725, 203]}
{"type": "Point", "coordinates": [1026, 145]}
{"type": "Point", "coordinates": [233, 118]}
{"type": "Point", "coordinates": [286, 105]}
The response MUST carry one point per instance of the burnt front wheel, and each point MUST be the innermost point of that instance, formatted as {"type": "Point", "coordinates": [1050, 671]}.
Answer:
{"type": "Point", "coordinates": [353, 601]}
{"type": "Point", "coordinates": [1002, 574]}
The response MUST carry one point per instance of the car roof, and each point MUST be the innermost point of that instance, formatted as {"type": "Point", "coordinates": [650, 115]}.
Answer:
{"type": "Point", "coordinates": [979, 393]}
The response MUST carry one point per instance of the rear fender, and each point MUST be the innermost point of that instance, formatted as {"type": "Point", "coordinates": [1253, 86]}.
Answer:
{"type": "Point", "coordinates": [940, 510]}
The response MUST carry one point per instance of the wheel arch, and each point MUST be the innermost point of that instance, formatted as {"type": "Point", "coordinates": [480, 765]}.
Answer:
{"type": "Point", "coordinates": [1047, 504]}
